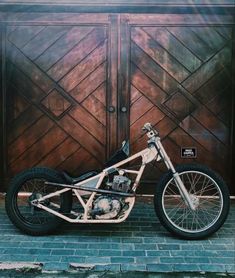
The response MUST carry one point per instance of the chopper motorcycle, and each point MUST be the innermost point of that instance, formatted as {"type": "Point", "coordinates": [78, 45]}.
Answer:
{"type": "Point", "coordinates": [191, 201]}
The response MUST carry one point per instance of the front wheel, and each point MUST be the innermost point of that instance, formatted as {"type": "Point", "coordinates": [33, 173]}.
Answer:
{"type": "Point", "coordinates": [207, 191]}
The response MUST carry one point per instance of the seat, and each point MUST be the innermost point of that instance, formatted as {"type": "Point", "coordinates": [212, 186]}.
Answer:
{"type": "Point", "coordinates": [72, 180]}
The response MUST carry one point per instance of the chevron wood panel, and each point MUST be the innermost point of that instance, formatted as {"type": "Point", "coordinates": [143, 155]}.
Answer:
{"type": "Point", "coordinates": [60, 79]}
{"type": "Point", "coordinates": [56, 95]}
{"type": "Point", "coordinates": [179, 77]}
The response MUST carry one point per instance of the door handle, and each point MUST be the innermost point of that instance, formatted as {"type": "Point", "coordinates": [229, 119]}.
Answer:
{"type": "Point", "coordinates": [111, 109]}
{"type": "Point", "coordinates": [124, 109]}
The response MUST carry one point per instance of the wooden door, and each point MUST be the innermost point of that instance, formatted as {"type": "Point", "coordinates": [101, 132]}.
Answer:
{"type": "Point", "coordinates": [180, 81]}
{"type": "Point", "coordinates": [63, 72]}
{"type": "Point", "coordinates": [57, 78]}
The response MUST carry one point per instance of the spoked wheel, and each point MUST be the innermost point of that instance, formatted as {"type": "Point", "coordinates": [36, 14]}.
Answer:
{"type": "Point", "coordinates": [208, 193]}
{"type": "Point", "coordinates": [28, 186]}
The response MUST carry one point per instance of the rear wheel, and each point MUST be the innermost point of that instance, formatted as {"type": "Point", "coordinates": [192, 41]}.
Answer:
{"type": "Point", "coordinates": [28, 186]}
{"type": "Point", "coordinates": [207, 191]}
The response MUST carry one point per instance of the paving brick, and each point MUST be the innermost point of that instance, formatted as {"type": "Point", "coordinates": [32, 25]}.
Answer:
{"type": "Point", "coordinates": [139, 244]}
{"type": "Point", "coordinates": [144, 234]}
{"type": "Point", "coordinates": [196, 260]}
{"type": "Point", "coordinates": [62, 252]}
{"type": "Point", "coordinates": [133, 267]}
{"type": "Point", "coordinates": [110, 253]}
{"type": "Point", "coordinates": [108, 267]}
{"type": "Point", "coordinates": [173, 240]}
{"type": "Point", "coordinates": [110, 239]}
{"type": "Point", "coordinates": [98, 260]}
{"type": "Point", "coordinates": [48, 258]}
{"type": "Point", "coordinates": [214, 247]}
{"type": "Point", "coordinates": [17, 258]}
{"type": "Point", "coordinates": [146, 246]}
{"type": "Point", "coordinates": [186, 267]}
{"type": "Point", "coordinates": [122, 260]}
{"type": "Point", "coordinates": [147, 260]}
{"type": "Point", "coordinates": [226, 253]}
{"type": "Point", "coordinates": [154, 240]}
{"type": "Point", "coordinates": [87, 252]}
{"type": "Point", "coordinates": [172, 260]}
{"type": "Point", "coordinates": [85, 239]}
{"type": "Point", "coordinates": [205, 253]}
{"type": "Point", "coordinates": [132, 240]}
{"type": "Point", "coordinates": [135, 253]}
{"type": "Point", "coordinates": [103, 246]}
{"type": "Point", "coordinates": [9, 244]}
{"type": "Point", "coordinates": [123, 246]}
{"type": "Point", "coordinates": [73, 259]}
{"type": "Point", "coordinates": [159, 267]}
{"type": "Point", "coordinates": [52, 266]}
{"type": "Point", "coordinates": [225, 241]}
{"type": "Point", "coordinates": [158, 253]}
{"type": "Point", "coordinates": [32, 244]}
{"type": "Point", "coordinates": [31, 251]}
{"type": "Point", "coordinates": [69, 245]}
{"type": "Point", "coordinates": [192, 247]}
{"type": "Point", "coordinates": [168, 246]}
{"type": "Point", "coordinates": [53, 245]}
{"type": "Point", "coordinates": [220, 260]}
{"type": "Point", "coordinates": [211, 267]}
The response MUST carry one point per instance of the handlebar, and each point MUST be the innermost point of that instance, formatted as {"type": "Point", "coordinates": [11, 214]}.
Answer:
{"type": "Point", "coordinates": [148, 127]}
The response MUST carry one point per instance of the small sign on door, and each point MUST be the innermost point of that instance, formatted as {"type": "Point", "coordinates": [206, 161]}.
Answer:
{"type": "Point", "coordinates": [188, 152]}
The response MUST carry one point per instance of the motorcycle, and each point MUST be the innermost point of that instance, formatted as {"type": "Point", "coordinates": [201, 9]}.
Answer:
{"type": "Point", "coordinates": [191, 201]}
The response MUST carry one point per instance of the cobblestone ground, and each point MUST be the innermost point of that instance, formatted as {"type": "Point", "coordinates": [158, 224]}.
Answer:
{"type": "Point", "coordinates": [139, 244]}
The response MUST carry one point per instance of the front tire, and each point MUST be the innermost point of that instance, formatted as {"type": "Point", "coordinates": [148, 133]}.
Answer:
{"type": "Point", "coordinates": [209, 194]}
{"type": "Point", "coordinates": [30, 185]}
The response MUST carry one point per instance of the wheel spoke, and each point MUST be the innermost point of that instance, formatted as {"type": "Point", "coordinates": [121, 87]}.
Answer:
{"type": "Point", "coordinates": [208, 208]}
{"type": "Point", "coordinates": [35, 188]}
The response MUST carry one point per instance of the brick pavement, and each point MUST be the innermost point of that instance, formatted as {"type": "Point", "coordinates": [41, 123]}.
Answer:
{"type": "Point", "coordinates": [139, 244]}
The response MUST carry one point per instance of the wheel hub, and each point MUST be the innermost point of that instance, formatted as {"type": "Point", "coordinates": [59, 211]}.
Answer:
{"type": "Point", "coordinates": [195, 200]}
{"type": "Point", "coordinates": [34, 197]}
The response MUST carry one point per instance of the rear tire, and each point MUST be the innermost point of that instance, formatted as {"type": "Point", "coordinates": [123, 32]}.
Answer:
{"type": "Point", "coordinates": [209, 193]}
{"type": "Point", "coordinates": [29, 185]}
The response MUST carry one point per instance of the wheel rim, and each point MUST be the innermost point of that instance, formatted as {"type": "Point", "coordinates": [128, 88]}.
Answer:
{"type": "Point", "coordinates": [206, 196]}
{"type": "Point", "coordinates": [30, 190]}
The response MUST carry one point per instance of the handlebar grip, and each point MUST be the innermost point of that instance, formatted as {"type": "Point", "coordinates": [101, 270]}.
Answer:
{"type": "Point", "coordinates": [147, 127]}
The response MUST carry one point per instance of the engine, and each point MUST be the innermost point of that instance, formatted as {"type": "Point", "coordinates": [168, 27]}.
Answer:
{"type": "Point", "coordinates": [119, 182]}
{"type": "Point", "coordinates": [109, 206]}
{"type": "Point", "coordinates": [106, 207]}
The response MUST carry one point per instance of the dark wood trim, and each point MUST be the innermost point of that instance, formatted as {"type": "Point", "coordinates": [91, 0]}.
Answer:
{"type": "Point", "coordinates": [73, 18]}
{"type": "Point", "coordinates": [1, 115]}
{"type": "Point", "coordinates": [53, 18]}
{"type": "Point", "coordinates": [123, 81]}
{"type": "Point", "coordinates": [112, 76]}
{"type": "Point", "coordinates": [3, 167]}
{"type": "Point", "coordinates": [180, 19]}
{"type": "Point", "coordinates": [120, 6]}
{"type": "Point", "coordinates": [232, 161]}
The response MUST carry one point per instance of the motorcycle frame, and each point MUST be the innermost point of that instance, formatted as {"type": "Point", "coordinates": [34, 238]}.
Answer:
{"type": "Point", "coordinates": [155, 151]}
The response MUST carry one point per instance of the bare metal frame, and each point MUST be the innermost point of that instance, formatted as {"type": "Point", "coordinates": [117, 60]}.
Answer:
{"type": "Point", "coordinates": [155, 151]}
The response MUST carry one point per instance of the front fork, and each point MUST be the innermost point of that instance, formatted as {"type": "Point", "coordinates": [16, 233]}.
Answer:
{"type": "Point", "coordinates": [177, 179]}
